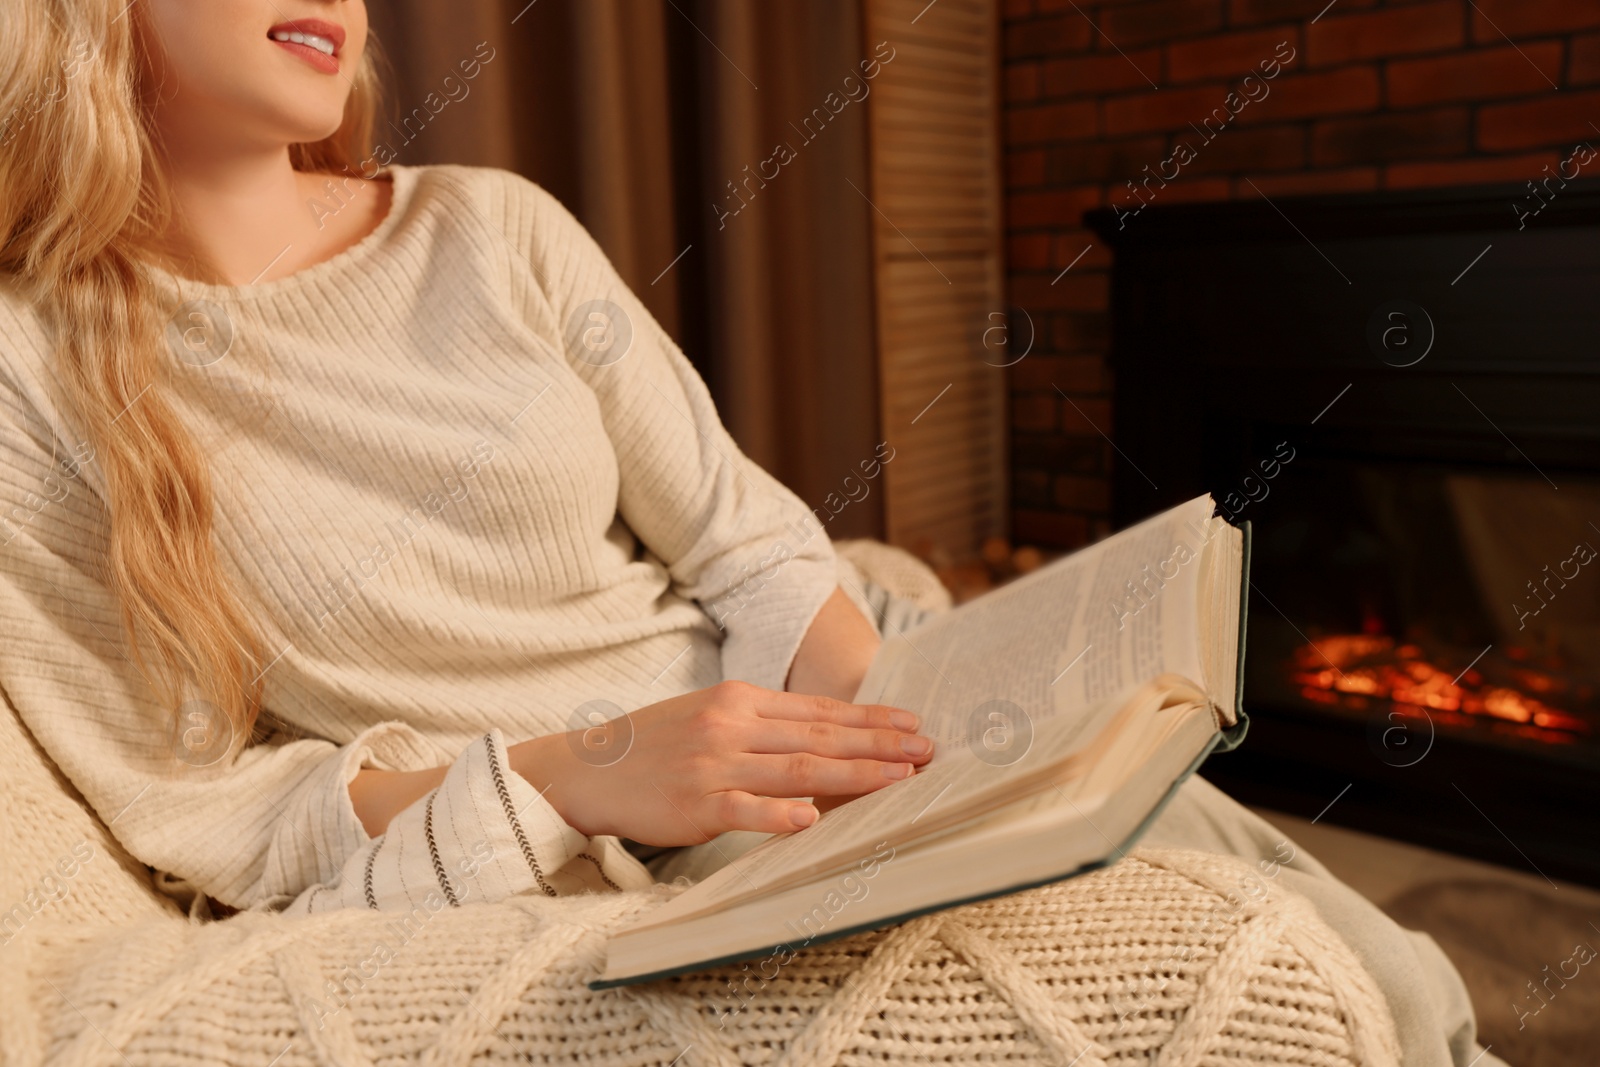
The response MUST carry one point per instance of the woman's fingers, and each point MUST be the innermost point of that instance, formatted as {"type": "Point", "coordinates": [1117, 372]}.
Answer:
{"type": "Point", "coordinates": [777, 736]}
{"type": "Point", "coordinates": [804, 707]}
{"type": "Point", "coordinates": [736, 809]}
{"type": "Point", "coordinates": [737, 757]}
{"type": "Point", "coordinates": [801, 774]}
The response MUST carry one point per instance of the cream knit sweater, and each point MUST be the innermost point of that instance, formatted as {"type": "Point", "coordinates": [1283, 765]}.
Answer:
{"type": "Point", "coordinates": [475, 487]}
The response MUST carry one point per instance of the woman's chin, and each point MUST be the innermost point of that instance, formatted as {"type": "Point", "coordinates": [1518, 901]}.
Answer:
{"type": "Point", "coordinates": [304, 120]}
{"type": "Point", "coordinates": [310, 132]}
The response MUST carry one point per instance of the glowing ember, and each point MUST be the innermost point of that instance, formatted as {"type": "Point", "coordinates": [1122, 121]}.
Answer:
{"type": "Point", "coordinates": [1354, 668]}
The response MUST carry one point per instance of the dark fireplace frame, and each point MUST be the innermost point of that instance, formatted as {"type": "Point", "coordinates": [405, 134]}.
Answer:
{"type": "Point", "coordinates": [1235, 322]}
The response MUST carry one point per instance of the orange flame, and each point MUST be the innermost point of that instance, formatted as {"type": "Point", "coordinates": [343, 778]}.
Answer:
{"type": "Point", "coordinates": [1370, 665]}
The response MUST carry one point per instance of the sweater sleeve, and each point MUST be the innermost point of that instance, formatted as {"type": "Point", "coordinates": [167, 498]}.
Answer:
{"type": "Point", "coordinates": [264, 822]}
{"type": "Point", "coordinates": [482, 835]}
{"type": "Point", "coordinates": [732, 537]}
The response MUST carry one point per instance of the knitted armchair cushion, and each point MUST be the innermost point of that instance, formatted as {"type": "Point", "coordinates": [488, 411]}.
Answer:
{"type": "Point", "coordinates": [57, 859]}
{"type": "Point", "coordinates": [1186, 957]}
{"type": "Point", "coordinates": [897, 571]}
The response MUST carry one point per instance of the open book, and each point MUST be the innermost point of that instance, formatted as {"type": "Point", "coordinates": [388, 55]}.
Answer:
{"type": "Point", "coordinates": [1065, 708]}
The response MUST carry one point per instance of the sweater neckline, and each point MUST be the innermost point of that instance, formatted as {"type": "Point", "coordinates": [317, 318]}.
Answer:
{"type": "Point", "coordinates": [403, 181]}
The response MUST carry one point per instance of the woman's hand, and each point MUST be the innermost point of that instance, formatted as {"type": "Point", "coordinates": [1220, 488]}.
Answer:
{"type": "Point", "coordinates": [731, 757]}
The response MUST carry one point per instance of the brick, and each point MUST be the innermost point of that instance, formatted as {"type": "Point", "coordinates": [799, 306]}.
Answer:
{"type": "Point", "coordinates": [1253, 149]}
{"type": "Point", "coordinates": [1090, 455]}
{"type": "Point", "coordinates": [1127, 206]}
{"type": "Point", "coordinates": [1159, 20]}
{"type": "Point", "coordinates": [1022, 82]}
{"type": "Point", "coordinates": [1192, 190]}
{"type": "Point", "coordinates": [1302, 96]}
{"type": "Point", "coordinates": [1101, 73]}
{"type": "Point", "coordinates": [1025, 168]}
{"type": "Point", "coordinates": [1170, 109]}
{"type": "Point", "coordinates": [1068, 5]}
{"type": "Point", "coordinates": [1035, 412]}
{"type": "Point", "coordinates": [1080, 249]}
{"type": "Point", "coordinates": [1088, 291]}
{"type": "Point", "coordinates": [1079, 332]}
{"type": "Point", "coordinates": [1047, 37]}
{"type": "Point", "coordinates": [1082, 493]}
{"type": "Point", "coordinates": [1469, 171]}
{"type": "Point", "coordinates": [1028, 251]}
{"type": "Point", "coordinates": [1583, 66]}
{"type": "Point", "coordinates": [1102, 161]}
{"type": "Point", "coordinates": [1085, 414]}
{"type": "Point", "coordinates": [1531, 18]}
{"type": "Point", "coordinates": [1309, 183]}
{"type": "Point", "coordinates": [1561, 119]}
{"type": "Point", "coordinates": [1129, 201]}
{"type": "Point", "coordinates": [1056, 453]}
{"type": "Point", "coordinates": [1050, 122]}
{"type": "Point", "coordinates": [1051, 207]}
{"type": "Point", "coordinates": [1072, 374]}
{"type": "Point", "coordinates": [1049, 529]}
{"type": "Point", "coordinates": [1230, 55]}
{"type": "Point", "coordinates": [1075, 248]}
{"type": "Point", "coordinates": [1380, 138]}
{"type": "Point", "coordinates": [1395, 31]}
{"type": "Point", "coordinates": [1481, 75]}
{"type": "Point", "coordinates": [1248, 12]}
{"type": "Point", "coordinates": [1030, 489]}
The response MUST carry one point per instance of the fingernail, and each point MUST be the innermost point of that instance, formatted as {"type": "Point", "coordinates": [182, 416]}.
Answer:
{"type": "Point", "coordinates": [903, 720]}
{"type": "Point", "coordinates": [802, 815]}
{"type": "Point", "coordinates": [915, 746]}
{"type": "Point", "coordinates": [896, 771]}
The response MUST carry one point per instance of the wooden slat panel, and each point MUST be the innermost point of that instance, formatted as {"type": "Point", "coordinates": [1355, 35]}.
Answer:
{"type": "Point", "coordinates": [936, 185]}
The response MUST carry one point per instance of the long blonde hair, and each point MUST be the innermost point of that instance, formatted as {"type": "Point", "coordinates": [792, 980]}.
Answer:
{"type": "Point", "coordinates": [83, 200]}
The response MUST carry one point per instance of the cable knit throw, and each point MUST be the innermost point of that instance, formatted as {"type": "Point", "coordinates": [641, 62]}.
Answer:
{"type": "Point", "coordinates": [1181, 958]}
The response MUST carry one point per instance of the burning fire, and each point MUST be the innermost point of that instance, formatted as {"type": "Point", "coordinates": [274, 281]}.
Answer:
{"type": "Point", "coordinates": [1350, 669]}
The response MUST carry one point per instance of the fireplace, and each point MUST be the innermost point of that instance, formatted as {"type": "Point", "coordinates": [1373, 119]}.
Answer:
{"type": "Point", "coordinates": [1402, 393]}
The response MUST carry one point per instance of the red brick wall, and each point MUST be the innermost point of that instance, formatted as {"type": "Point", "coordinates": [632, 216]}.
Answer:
{"type": "Point", "coordinates": [1378, 95]}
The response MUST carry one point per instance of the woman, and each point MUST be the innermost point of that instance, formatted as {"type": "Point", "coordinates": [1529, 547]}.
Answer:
{"type": "Point", "coordinates": [323, 481]}
{"type": "Point", "coordinates": [449, 523]}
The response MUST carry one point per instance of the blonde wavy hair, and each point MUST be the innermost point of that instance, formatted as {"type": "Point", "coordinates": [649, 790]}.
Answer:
{"type": "Point", "coordinates": [83, 201]}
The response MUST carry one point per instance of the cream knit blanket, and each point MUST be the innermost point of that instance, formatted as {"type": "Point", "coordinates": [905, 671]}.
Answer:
{"type": "Point", "coordinates": [1171, 957]}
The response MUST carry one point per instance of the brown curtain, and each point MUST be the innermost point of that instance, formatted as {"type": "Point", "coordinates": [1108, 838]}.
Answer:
{"type": "Point", "coordinates": [652, 121]}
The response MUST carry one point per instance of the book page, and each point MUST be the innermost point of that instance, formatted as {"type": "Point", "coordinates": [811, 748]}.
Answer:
{"type": "Point", "coordinates": [1220, 634]}
{"type": "Point", "coordinates": [1085, 631]}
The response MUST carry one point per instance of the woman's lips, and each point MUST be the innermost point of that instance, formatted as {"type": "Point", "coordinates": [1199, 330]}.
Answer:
{"type": "Point", "coordinates": [313, 40]}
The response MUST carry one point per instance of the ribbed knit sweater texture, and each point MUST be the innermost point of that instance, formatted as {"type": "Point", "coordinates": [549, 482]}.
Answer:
{"type": "Point", "coordinates": [472, 484]}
